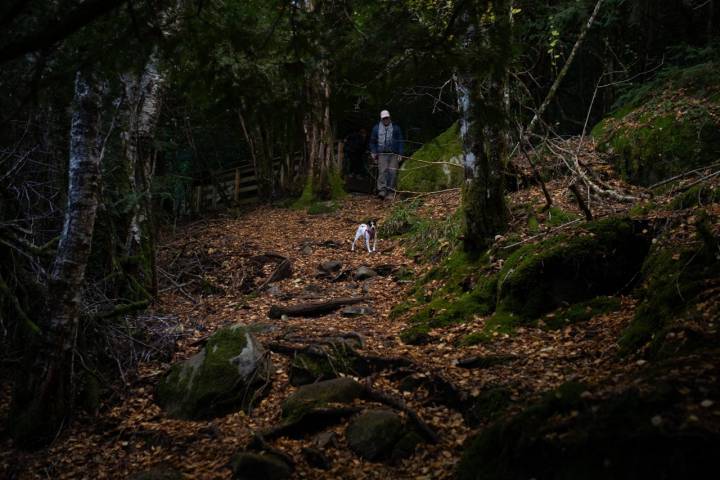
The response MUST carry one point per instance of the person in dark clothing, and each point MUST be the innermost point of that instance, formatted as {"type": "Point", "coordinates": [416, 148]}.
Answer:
{"type": "Point", "coordinates": [355, 148]}
{"type": "Point", "coordinates": [386, 146]}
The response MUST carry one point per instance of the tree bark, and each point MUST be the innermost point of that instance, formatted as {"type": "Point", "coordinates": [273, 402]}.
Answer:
{"type": "Point", "coordinates": [484, 195]}
{"type": "Point", "coordinates": [44, 394]}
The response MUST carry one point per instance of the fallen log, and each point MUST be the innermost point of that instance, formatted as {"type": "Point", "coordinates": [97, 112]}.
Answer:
{"type": "Point", "coordinates": [313, 309]}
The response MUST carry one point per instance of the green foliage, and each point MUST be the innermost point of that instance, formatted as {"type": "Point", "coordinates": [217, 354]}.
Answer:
{"type": "Point", "coordinates": [402, 218]}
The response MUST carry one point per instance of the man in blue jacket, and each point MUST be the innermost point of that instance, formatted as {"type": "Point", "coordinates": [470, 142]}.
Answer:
{"type": "Point", "coordinates": [386, 147]}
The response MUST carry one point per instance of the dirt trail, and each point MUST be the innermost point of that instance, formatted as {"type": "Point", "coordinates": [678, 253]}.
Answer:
{"type": "Point", "coordinates": [134, 434]}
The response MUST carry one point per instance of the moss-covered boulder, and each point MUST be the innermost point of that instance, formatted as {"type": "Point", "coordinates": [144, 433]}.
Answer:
{"type": "Point", "coordinates": [599, 259]}
{"type": "Point", "coordinates": [678, 301]}
{"type": "Point", "coordinates": [229, 373]}
{"type": "Point", "coordinates": [417, 174]}
{"type": "Point", "coordinates": [373, 434]}
{"type": "Point", "coordinates": [381, 434]}
{"type": "Point", "coordinates": [668, 128]}
{"type": "Point", "coordinates": [253, 466]}
{"type": "Point", "coordinates": [641, 432]}
{"type": "Point", "coordinates": [317, 395]}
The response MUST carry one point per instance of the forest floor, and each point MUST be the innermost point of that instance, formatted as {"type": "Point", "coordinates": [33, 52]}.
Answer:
{"type": "Point", "coordinates": [133, 434]}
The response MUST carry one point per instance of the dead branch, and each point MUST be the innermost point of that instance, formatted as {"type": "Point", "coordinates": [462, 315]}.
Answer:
{"type": "Point", "coordinates": [583, 206]}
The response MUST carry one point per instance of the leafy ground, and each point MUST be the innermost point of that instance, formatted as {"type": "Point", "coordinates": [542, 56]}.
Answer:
{"type": "Point", "coordinates": [130, 434]}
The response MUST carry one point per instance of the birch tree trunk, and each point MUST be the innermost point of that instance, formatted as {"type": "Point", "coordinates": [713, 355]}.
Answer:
{"type": "Point", "coordinates": [43, 396]}
{"type": "Point", "coordinates": [143, 95]}
{"type": "Point", "coordinates": [486, 138]}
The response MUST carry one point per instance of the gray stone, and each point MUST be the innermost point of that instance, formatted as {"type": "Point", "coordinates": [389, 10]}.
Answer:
{"type": "Point", "coordinates": [226, 375]}
{"type": "Point", "coordinates": [363, 273]}
{"type": "Point", "coordinates": [330, 266]}
{"type": "Point", "coordinates": [254, 466]}
{"type": "Point", "coordinates": [307, 250]}
{"type": "Point", "coordinates": [373, 434]}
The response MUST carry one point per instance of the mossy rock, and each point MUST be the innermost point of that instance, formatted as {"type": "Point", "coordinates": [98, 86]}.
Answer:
{"type": "Point", "coordinates": [568, 435]}
{"type": "Point", "coordinates": [667, 131]}
{"type": "Point", "coordinates": [373, 434]}
{"type": "Point", "coordinates": [600, 259]}
{"type": "Point", "coordinates": [417, 175]}
{"type": "Point", "coordinates": [489, 405]}
{"type": "Point", "coordinates": [253, 466]}
{"type": "Point", "coordinates": [308, 397]}
{"type": "Point", "coordinates": [676, 281]}
{"type": "Point", "coordinates": [229, 373]}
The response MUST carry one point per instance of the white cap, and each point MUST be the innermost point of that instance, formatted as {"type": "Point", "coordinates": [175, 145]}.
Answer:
{"type": "Point", "coordinates": [384, 114]}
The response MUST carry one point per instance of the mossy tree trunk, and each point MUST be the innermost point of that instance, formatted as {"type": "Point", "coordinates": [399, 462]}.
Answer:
{"type": "Point", "coordinates": [485, 142]}
{"type": "Point", "coordinates": [143, 99]}
{"type": "Point", "coordinates": [43, 394]}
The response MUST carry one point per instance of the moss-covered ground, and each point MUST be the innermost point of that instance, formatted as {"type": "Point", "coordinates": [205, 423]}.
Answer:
{"type": "Point", "coordinates": [669, 127]}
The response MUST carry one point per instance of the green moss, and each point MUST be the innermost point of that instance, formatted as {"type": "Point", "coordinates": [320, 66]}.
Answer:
{"type": "Point", "coordinates": [489, 405]}
{"type": "Point", "coordinates": [207, 384]}
{"type": "Point", "coordinates": [337, 185]}
{"type": "Point", "coordinates": [580, 312]}
{"type": "Point", "coordinates": [416, 334]}
{"type": "Point", "coordinates": [558, 216]}
{"type": "Point", "coordinates": [307, 197]}
{"type": "Point", "coordinates": [401, 219]}
{"type": "Point", "coordinates": [417, 175]}
{"type": "Point", "coordinates": [698, 195]}
{"type": "Point", "coordinates": [674, 128]}
{"type": "Point", "coordinates": [475, 338]}
{"type": "Point", "coordinates": [628, 435]}
{"type": "Point", "coordinates": [320, 208]}
{"type": "Point", "coordinates": [570, 268]}
{"type": "Point", "coordinates": [672, 280]}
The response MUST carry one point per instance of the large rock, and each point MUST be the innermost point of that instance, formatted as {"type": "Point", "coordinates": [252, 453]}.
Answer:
{"type": "Point", "coordinates": [644, 432]}
{"type": "Point", "coordinates": [307, 397]}
{"type": "Point", "coordinates": [255, 466]}
{"type": "Point", "coordinates": [331, 266]}
{"type": "Point", "coordinates": [229, 373]}
{"type": "Point", "coordinates": [425, 170]}
{"type": "Point", "coordinates": [600, 259]}
{"type": "Point", "coordinates": [379, 435]}
{"type": "Point", "coordinates": [373, 434]}
{"type": "Point", "coordinates": [363, 273]}
{"type": "Point", "coordinates": [671, 129]}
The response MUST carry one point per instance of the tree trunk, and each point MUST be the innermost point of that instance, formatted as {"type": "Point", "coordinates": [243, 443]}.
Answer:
{"type": "Point", "coordinates": [44, 393]}
{"type": "Point", "coordinates": [486, 143]}
{"type": "Point", "coordinates": [318, 129]}
{"type": "Point", "coordinates": [144, 101]}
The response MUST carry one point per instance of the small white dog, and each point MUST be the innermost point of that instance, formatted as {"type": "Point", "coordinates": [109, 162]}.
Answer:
{"type": "Point", "coordinates": [369, 231]}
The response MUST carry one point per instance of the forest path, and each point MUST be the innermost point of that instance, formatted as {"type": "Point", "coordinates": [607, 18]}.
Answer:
{"type": "Point", "coordinates": [211, 259]}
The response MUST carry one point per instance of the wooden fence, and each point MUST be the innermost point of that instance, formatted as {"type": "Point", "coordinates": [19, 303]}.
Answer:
{"type": "Point", "coordinates": [239, 185]}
